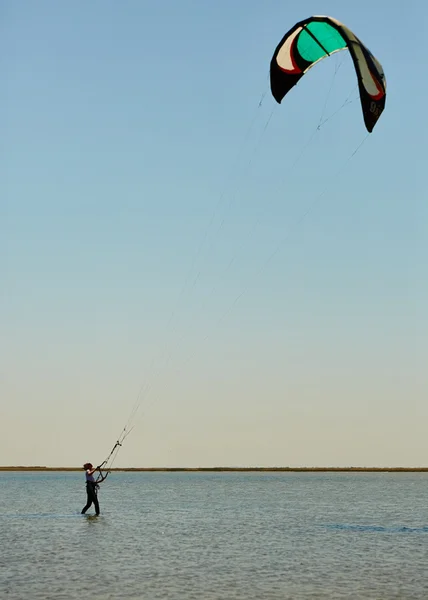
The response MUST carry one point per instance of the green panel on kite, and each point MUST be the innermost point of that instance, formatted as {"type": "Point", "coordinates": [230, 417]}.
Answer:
{"type": "Point", "coordinates": [328, 37]}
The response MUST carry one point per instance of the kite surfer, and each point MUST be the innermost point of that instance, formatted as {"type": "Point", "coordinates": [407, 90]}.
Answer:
{"type": "Point", "coordinates": [92, 487]}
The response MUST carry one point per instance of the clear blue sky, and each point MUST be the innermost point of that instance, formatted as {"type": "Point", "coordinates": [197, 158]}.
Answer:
{"type": "Point", "coordinates": [125, 126]}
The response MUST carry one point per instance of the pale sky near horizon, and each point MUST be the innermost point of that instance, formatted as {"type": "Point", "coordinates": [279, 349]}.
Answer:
{"type": "Point", "coordinates": [297, 335]}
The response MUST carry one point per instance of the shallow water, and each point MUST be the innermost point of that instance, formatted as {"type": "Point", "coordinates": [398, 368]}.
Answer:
{"type": "Point", "coordinates": [215, 536]}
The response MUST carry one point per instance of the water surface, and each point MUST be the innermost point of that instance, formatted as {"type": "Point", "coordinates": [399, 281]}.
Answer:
{"type": "Point", "coordinates": [215, 536]}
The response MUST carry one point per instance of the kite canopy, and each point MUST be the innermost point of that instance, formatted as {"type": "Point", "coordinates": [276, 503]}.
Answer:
{"type": "Point", "coordinates": [313, 39]}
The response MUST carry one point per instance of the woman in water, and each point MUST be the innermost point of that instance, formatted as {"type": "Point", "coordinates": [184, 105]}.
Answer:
{"type": "Point", "coordinates": [92, 487]}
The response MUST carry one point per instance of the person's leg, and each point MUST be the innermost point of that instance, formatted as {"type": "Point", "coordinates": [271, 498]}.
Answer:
{"type": "Point", "coordinates": [96, 504]}
{"type": "Point", "coordinates": [89, 501]}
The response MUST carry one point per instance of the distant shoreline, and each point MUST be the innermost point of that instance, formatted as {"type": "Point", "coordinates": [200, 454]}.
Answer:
{"type": "Point", "coordinates": [234, 469]}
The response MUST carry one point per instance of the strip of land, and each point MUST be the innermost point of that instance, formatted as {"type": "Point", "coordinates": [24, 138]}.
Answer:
{"type": "Point", "coordinates": [234, 469]}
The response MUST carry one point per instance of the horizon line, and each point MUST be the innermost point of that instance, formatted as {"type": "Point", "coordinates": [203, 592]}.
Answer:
{"type": "Point", "coordinates": [223, 469]}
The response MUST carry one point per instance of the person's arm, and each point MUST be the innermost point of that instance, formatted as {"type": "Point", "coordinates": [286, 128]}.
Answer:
{"type": "Point", "coordinates": [92, 471]}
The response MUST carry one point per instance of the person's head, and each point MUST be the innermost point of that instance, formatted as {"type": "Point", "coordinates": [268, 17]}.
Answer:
{"type": "Point", "coordinates": [87, 466]}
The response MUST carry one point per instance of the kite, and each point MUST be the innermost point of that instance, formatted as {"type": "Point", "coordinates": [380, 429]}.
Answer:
{"type": "Point", "coordinates": [316, 38]}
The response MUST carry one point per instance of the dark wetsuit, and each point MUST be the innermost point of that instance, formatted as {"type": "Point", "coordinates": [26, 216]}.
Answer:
{"type": "Point", "coordinates": [91, 490]}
